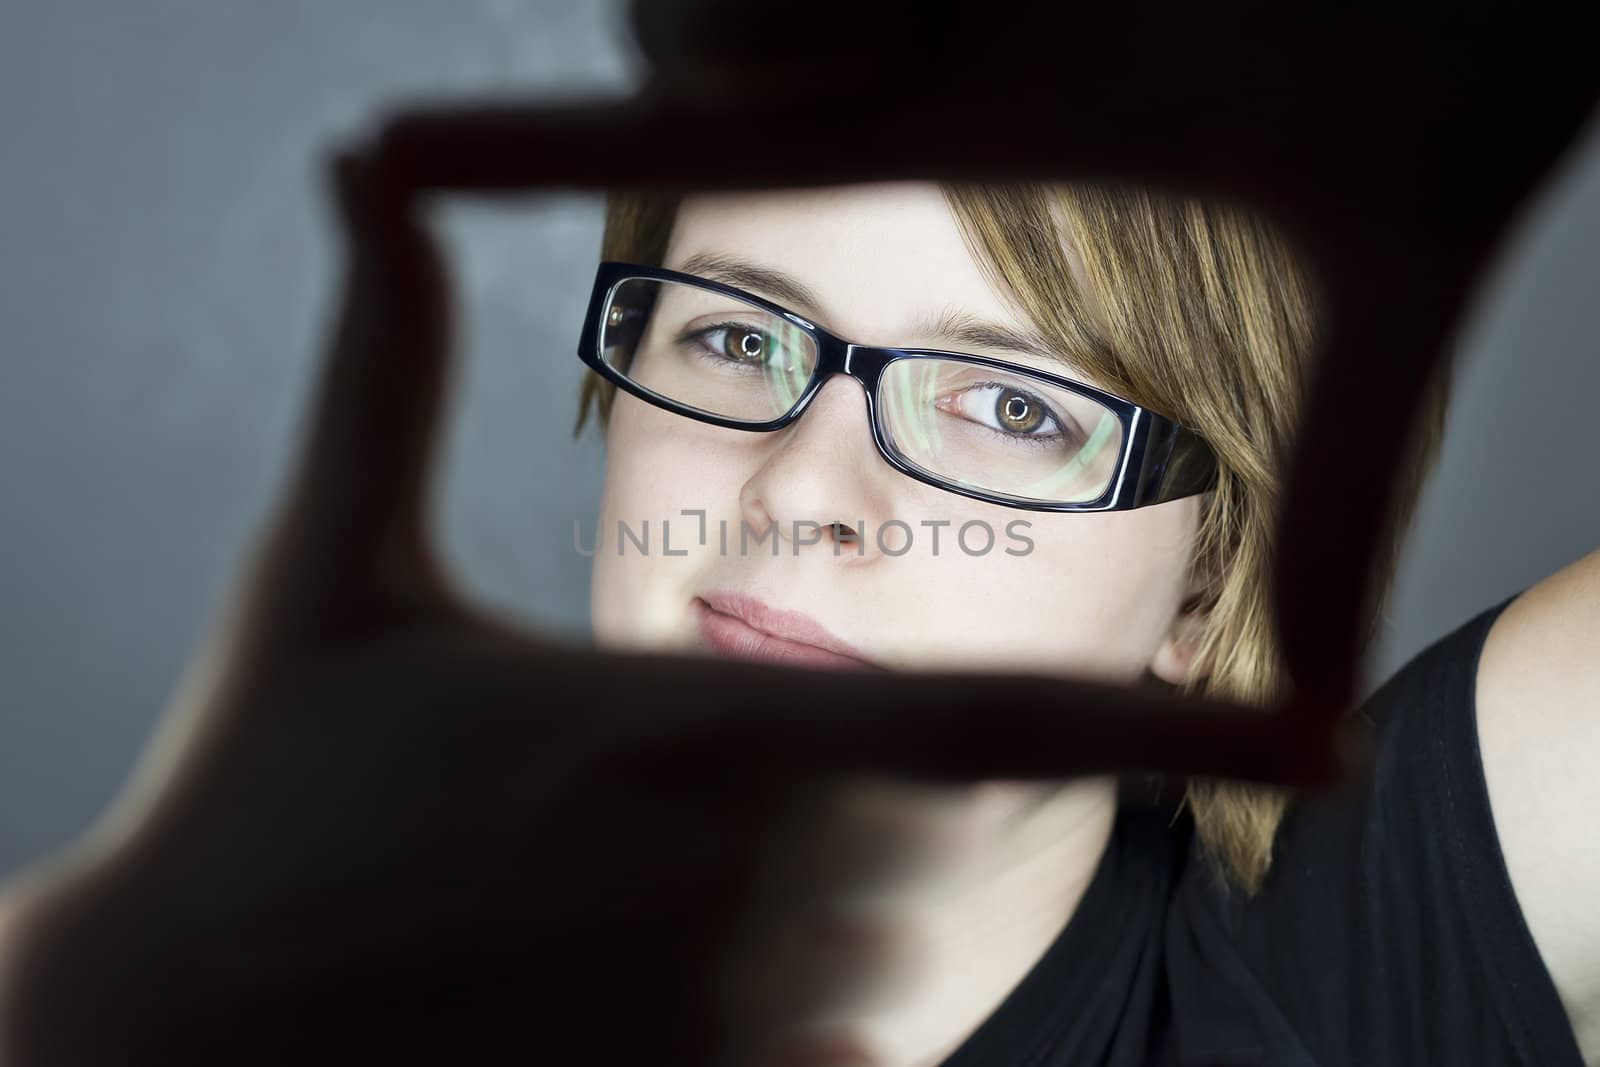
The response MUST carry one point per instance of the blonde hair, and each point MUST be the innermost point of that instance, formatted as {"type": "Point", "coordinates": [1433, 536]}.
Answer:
{"type": "Point", "coordinates": [1197, 310]}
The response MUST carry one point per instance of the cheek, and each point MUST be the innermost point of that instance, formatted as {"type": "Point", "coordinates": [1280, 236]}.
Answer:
{"type": "Point", "coordinates": [646, 476]}
{"type": "Point", "coordinates": [1095, 595]}
{"type": "Point", "coordinates": [657, 465]}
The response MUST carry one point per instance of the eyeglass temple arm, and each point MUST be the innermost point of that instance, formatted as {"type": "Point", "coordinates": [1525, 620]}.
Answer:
{"type": "Point", "coordinates": [1176, 463]}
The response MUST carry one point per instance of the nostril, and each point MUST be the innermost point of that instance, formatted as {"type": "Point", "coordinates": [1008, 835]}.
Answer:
{"type": "Point", "coordinates": [843, 533]}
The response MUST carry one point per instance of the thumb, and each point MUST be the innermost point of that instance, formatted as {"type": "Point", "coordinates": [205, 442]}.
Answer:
{"type": "Point", "coordinates": [943, 727]}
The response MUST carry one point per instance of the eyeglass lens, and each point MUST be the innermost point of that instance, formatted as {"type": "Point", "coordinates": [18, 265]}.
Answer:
{"type": "Point", "coordinates": [998, 431]}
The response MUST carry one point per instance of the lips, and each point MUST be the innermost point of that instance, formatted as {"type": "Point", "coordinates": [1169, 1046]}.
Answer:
{"type": "Point", "coordinates": [742, 627]}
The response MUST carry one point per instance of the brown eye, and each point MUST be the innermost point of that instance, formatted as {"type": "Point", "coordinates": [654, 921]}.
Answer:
{"type": "Point", "coordinates": [1017, 413]}
{"type": "Point", "coordinates": [744, 346]}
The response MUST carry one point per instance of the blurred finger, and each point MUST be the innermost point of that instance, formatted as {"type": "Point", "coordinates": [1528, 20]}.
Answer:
{"type": "Point", "coordinates": [677, 717]}
{"type": "Point", "coordinates": [973, 727]}
{"type": "Point", "coordinates": [360, 491]}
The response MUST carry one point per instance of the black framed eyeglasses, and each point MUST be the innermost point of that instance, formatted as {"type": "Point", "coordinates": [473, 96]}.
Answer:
{"type": "Point", "coordinates": [983, 428]}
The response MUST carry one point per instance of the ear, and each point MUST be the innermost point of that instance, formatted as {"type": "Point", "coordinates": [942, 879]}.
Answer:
{"type": "Point", "coordinates": [1176, 658]}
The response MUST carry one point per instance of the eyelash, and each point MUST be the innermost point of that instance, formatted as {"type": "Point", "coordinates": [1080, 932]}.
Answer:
{"type": "Point", "coordinates": [1063, 425]}
{"type": "Point", "coordinates": [699, 334]}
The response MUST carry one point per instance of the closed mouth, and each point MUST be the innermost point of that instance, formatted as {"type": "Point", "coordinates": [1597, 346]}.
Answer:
{"type": "Point", "coordinates": [742, 627]}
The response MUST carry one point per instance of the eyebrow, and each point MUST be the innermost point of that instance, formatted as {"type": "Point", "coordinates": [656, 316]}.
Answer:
{"type": "Point", "coordinates": [951, 325]}
{"type": "Point", "coordinates": [746, 274]}
{"type": "Point", "coordinates": [963, 329]}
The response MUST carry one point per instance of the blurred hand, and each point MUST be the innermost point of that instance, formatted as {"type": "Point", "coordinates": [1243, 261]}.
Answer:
{"type": "Point", "coordinates": [381, 822]}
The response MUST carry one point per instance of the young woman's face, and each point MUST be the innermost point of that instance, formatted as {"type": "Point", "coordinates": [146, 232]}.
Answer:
{"type": "Point", "coordinates": [1096, 594]}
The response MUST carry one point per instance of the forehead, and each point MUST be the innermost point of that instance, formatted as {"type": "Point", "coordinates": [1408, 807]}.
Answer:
{"type": "Point", "coordinates": [878, 256]}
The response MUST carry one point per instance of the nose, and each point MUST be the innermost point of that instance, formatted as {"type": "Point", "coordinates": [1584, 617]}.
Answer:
{"type": "Point", "coordinates": [822, 483]}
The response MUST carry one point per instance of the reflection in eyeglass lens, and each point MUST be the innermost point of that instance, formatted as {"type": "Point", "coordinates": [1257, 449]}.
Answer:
{"type": "Point", "coordinates": [987, 428]}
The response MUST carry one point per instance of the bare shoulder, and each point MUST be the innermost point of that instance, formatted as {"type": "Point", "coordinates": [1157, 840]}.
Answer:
{"type": "Point", "coordinates": [1538, 710]}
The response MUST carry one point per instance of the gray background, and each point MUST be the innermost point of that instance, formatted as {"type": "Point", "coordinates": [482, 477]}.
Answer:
{"type": "Point", "coordinates": [166, 273]}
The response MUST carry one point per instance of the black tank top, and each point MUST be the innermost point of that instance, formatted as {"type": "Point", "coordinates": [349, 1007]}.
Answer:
{"type": "Point", "coordinates": [1386, 932]}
